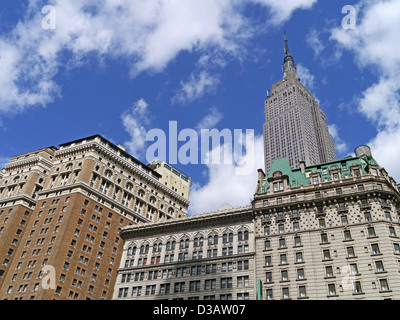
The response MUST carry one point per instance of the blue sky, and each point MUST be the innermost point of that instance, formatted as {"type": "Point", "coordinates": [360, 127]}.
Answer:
{"type": "Point", "coordinates": [121, 68]}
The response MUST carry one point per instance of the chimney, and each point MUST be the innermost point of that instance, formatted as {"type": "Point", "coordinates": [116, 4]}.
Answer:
{"type": "Point", "coordinates": [261, 177]}
{"type": "Point", "coordinates": [303, 167]}
{"type": "Point", "coordinates": [121, 147]}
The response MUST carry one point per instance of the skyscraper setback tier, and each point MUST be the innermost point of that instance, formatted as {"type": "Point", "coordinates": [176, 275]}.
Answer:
{"type": "Point", "coordinates": [295, 126]}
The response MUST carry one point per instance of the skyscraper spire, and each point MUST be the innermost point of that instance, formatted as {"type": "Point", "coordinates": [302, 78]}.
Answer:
{"type": "Point", "coordinates": [289, 67]}
{"type": "Point", "coordinates": [286, 44]}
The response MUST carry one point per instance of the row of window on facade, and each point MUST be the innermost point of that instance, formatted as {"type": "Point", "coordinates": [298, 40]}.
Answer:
{"type": "Point", "coordinates": [194, 286]}
{"type": "Point", "coordinates": [315, 179]}
{"type": "Point", "coordinates": [184, 256]}
{"type": "Point", "coordinates": [327, 255]}
{"type": "Point", "coordinates": [336, 192]}
{"type": "Point", "coordinates": [197, 242]}
{"type": "Point", "coordinates": [322, 224]}
{"type": "Point", "coordinates": [192, 271]}
{"type": "Point", "coordinates": [354, 287]}
{"type": "Point", "coordinates": [347, 236]}
{"type": "Point", "coordinates": [351, 269]}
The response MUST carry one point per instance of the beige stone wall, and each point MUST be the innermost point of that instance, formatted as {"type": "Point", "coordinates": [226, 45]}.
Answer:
{"type": "Point", "coordinates": [345, 228]}
{"type": "Point", "coordinates": [222, 268]}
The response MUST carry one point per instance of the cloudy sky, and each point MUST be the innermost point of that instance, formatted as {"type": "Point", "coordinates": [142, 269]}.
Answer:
{"type": "Point", "coordinates": [121, 68]}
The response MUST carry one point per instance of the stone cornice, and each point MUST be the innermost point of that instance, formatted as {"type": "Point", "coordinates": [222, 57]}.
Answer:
{"type": "Point", "coordinates": [23, 197]}
{"type": "Point", "coordinates": [30, 161]}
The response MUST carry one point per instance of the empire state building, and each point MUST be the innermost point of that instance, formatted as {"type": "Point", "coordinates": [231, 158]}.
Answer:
{"type": "Point", "coordinates": [295, 126]}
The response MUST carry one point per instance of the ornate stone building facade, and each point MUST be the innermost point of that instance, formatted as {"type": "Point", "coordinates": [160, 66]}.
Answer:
{"type": "Point", "coordinates": [202, 257]}
{"type": "Point", "coordinates": [327, 231]}
{"type": "Point", "coordinates": [61, 211]}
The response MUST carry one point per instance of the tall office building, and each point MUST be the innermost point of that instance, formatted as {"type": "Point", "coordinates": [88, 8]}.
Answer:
{"type": "Point", "coordinates": [295, 126]}
{"type": "Point", "coordinates": [61, 211]}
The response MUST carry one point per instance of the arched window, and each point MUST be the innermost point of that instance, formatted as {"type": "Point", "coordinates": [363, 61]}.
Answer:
{"type": "Point", "coordinates": [108, 173]}
{"type": "Point", "coordinates": [131, 251]}
{"type": "Point", "coordinates": [198, 242]}
{"type": "Point", "coordinates": [170, 245]}
{"type": "Point", "coordinates": [213, 239]}
{"type": "Point", "coordinates": [227, 237]}
{"type": "Point", "coordinates": [243, 235]}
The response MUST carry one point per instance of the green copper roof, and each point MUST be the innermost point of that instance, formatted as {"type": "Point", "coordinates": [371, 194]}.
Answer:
{"type": "Point", "coordinates": [297, 179]}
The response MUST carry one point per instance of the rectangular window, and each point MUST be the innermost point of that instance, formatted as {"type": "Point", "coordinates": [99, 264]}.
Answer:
{"type": "Point", "coordinates": [283, 259]}
{"type": "Point", "coordinates": [269, 294]}
{"type": "Point", "coordinates": [328, 271]}
{"type": "Point", "coordinates": [331, 289]}
{"type": "Point", "coordinates": [326, 254]}
{"type": "Point", "coordinates": [375, 248]}
{"type": "Point", "coordinates": [379, 266]}
{"type": "Point", "coordinates": [384, 284]}
{"type": "Point", "coordinates": [285, 293]}
{"type": "Point", "coordinates": [350, 252]}
{"type": "Point", "coordinates": [302, 292]}
{"type": "Point", "coordinates": [357, 287]}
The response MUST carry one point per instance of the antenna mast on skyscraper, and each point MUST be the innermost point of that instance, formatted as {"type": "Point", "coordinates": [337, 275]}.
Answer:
{"type": "Point", "coordinates": [286, 44]}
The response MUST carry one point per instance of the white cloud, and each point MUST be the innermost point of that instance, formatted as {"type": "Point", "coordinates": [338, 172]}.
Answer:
{"type": "Point", "coordinates": [196, 87]}
{"type": "Point", "coordinates": [135, 121]}
{"type": "Point", "coordinates": [314, 42]}
{"type": "Point", "coordinates": [385, 150]}
{"type": "Point", "coordinates": [283, 10]}
{"type": "Point", "coordinates": [306, 77]}
{"type": "Point", "coordinates": [380, 103]}
{"type": "Point", "coordinates": [225, 185]}
{"type": "Point", "coordinates": [146, 34]}
{"type": "Point", "coordinates": [375, 44]}
{"type": "Point", "coordinates": [213, 117]}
